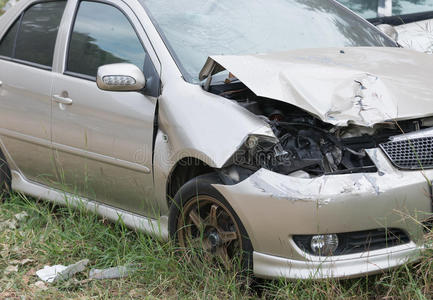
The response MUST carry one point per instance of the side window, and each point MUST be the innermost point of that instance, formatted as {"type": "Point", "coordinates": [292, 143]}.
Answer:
{"type": "Point", "coordinates": [33, 36]}
{"type": "Point", "coordinates": [102, 35]}
{"type": "Point", "coordinates": [38, 32]}
{"type": "Point", "coordinates": [7, 43]}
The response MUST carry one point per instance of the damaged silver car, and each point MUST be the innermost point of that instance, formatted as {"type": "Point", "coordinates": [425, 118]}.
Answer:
{"type": "Point", "coordinates": [290, 134]}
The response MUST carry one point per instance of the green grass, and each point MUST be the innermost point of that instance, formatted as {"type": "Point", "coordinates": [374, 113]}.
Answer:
{"type": "Point", "coordinates": [59, 235]}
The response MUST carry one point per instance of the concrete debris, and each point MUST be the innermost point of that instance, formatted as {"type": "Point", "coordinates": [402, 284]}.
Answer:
{"type": "Point", "coordinates": [73, 269]}
{"type": "Point", "coordinates": [11, 269]}
{"type": "Point", "coordinates": [60, 272]}
{"type": "Point", "coordinates": [110, 273]}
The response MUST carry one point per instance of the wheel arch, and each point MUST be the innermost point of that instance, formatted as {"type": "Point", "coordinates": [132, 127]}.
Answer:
{"type": "Point", "coordinates": [184, 170]}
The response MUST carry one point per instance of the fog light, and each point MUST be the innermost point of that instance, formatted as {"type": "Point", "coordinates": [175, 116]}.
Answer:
{"type": "Point", "coordinates": [324, 244]}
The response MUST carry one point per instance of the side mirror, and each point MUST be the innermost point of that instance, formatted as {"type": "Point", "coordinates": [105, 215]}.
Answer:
{"type": "Point", "coordinates": [389, 31]}
{"type": "Point", "coordinates": [120, 77]}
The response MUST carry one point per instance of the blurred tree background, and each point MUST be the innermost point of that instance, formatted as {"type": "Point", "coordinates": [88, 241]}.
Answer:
{"type": "Point", "coordinates": [2, 3]}
{"type": "Point", "coordinates": [368, 8]}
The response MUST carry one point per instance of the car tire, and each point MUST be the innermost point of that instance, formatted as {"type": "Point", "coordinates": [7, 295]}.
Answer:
{"type": "Point", "coordinates": [5, 176]}
{"type": "Point", "coordinates": [222, 236]}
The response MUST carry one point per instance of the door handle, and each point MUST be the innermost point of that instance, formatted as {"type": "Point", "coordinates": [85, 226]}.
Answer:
{"type": "Point", "coordinates": [62, 100]}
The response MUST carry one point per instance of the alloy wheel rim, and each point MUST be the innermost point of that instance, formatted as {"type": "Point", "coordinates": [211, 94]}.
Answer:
{"type": "Point", "coordinates": [208, 226]}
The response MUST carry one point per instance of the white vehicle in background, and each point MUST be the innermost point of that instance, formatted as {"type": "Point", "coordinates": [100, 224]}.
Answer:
{"type": "Point", "coordinates": [411, 19]}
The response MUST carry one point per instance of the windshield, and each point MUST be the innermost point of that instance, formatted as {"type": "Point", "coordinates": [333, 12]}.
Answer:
{"type": "Point", "coordinates": [370, 8]}
{"type": "Point", "coordinates": [196, 29]}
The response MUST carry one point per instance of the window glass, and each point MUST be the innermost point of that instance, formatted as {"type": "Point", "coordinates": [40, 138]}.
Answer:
{"type": "Point", "coordinates": [403, 7]}
{"type": "Point", "coordinates": [38, 32]}
{"type": "Point", "coordinates": [196, 29]}
{"type": "Point", "coordinates": [7, 43]}
{"type": "Point", "coordinates": [365, 8]}
{"type": "Point", "coordinates": [102, 35]}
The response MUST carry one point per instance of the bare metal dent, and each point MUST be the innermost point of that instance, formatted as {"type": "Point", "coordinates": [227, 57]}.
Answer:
{"type": "Point", "coordinates": [340, 86]}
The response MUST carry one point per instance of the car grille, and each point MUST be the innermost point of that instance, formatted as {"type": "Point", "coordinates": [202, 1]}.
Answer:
{"type": "Point", "coordinates": [410, 154]}
{"type": "Point", "coordinates": [370, 240]}
{"type": "Point", "coordinates": [360, 241]}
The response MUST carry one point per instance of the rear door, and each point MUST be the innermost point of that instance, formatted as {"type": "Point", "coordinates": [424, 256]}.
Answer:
{"type": "Point", "coordinates": [103, 140]}
{"type": "Point", "coordinates": [26, 78]}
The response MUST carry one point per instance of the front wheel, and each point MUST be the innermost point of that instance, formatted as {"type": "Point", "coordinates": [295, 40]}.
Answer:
{"type": "Point", "coordinates": [203, 221]}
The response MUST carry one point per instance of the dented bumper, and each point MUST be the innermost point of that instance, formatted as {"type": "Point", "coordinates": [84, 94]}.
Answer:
{"type": "Point", "coordinates": [275, 207]}
{"type": "Point", "coordinates": [268, 266]}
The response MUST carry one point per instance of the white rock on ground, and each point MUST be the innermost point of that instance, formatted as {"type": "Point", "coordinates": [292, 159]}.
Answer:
{"type": "Point", "coordinates": [60, 272]}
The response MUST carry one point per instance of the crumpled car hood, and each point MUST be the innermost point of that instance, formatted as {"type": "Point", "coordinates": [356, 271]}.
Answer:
{"type": "Point", "coordinates": [362, 86]}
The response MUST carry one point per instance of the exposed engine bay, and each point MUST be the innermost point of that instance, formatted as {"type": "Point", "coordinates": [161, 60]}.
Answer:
{"type": "Point", "coordinates": [306, 144]}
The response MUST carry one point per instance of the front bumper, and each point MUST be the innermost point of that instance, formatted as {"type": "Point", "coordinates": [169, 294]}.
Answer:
{"type": "Point", "coordinates": [274, 207]}
{"type": "Point", "coordinates": [268, 266]}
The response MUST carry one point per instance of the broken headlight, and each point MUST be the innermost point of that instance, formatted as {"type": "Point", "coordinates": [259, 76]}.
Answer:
{"type": "Point", "coordinates": [254, 149]}
{"type": "Point", "coordinates": [301, 147]}
{"type": "Point", "coordinates": [259, 151]}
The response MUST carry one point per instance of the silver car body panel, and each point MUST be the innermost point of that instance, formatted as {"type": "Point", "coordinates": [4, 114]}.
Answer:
{"type": "Point", "coordinates": [156, 227]}
{"type": "Point", "coordinates": [321, 204]}
{"type": "Point", "coordinates": [268, 266]}
{"type": "Point", "coordinates": [27, 95]}
{"type": "Point", "coordinates": [340, 86]}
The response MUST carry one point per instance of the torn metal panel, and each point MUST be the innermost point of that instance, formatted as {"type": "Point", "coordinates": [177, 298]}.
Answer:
{"type": "Point", "coordinates": [340, 86]}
